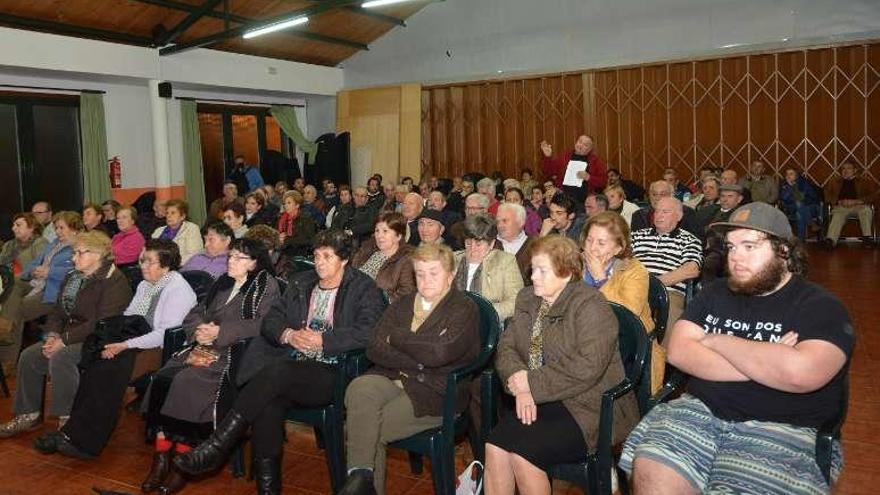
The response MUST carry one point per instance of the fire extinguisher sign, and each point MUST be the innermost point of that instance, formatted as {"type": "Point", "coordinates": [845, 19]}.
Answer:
{"type": "Point", "coordinates": [115, 172]}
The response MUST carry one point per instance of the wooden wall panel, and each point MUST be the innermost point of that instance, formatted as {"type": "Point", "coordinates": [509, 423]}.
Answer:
{"type": "Point", "coordinates": [497, 125]}
{"type": "Point", "coordinates": [810, 108]}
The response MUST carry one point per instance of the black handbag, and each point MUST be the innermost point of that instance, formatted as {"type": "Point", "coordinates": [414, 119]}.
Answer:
{"type": "Point", "coordinates": [110, 331]}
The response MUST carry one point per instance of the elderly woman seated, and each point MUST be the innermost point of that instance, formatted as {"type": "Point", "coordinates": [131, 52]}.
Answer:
{"type": "Point", "coordinates": [128, 242]}
{"type": "Point", "coordinates": [93, 290]}
{"type": "Point", "coordinates": [296, 228]}
{"type": "Point", "coordinates": [181, 401]}
{"type": "Point", "coordinates": [162, 299]}
{"type": "Point", "coordinates": [323, 313]}
{"type": "Point", "coordinates": [385, 257]}
{"type": "Point", "coordinates": [45, 273]}
{"type": "Point", "coordinates": [491, 273]}
{"type": "Point", "coordinates": [18, 253]}
{"type": "Point", "coordinates": [418, 341]}
{"type": "Point", "coordinates": [177, 228]}
{"type": "Point", "coordinates": [556, 358]}
{"type": "Point", "coordinates": [213, 258]}
{"type": "Point", "coordinates": [609, 265]}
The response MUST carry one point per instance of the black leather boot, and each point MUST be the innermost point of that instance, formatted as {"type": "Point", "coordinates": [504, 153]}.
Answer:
{"type": "Point", "coordinates": [359, 482]}
{"type": "Point", "coordinates": [158, 471]}
{"type": "Point", "coordinates": [213, 452]}
{"type": "Point", "coordinates": [175, 482]}
{"type": "Point", "coordinates": [267, 475]}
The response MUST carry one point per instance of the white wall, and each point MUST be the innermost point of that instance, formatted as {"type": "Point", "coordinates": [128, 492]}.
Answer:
{"type": "Point", "coordinates": [467, 39]}
{"type": "Point", "coordinates": [123, 72]}
{"type": "Point", "coordinates": [127, 114]}
{"type": "Point", "coordinates": [321, 111]}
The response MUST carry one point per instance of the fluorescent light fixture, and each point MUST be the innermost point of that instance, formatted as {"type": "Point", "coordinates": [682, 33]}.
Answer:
{"type": "Point", "coordinates": [278, 26]}
{"type": "Point", "coordinates": [380, 3]}
{"type": "Point", "coordinates": [732, 45]}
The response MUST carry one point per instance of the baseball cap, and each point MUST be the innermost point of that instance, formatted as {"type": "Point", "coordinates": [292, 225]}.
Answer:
{"type": "Point", "coordinates": [758, 216]}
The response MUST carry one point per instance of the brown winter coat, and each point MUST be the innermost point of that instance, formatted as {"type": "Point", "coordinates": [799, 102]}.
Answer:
{"type": "Point", "coordinates": [106, 293]}
{"type": "Point", "coordinates": [581, 357]}
{"type": "Point", "coordinates": [396, 277]}
{"type": "Point", "coordinates": [448, 340]}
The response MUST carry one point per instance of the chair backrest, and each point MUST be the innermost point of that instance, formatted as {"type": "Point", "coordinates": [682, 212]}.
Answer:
{"type": "Point", "coordinates": [658, 299]}
{"type": "Point", "coordinates": [691, 289]}
{"type": "Point", "coordinates": [7, 280]}
{"type": "Point", "coordinates": [200, 282]}
{"type": "Point", "coordinates": [132, 272]}
{"type": "Point", "coordinates": [490, 324]}
{"type": "Point", "coordinates": [301, 264]}
{"type": "Point", "coordinates": [173, 342]}
{"type": "Point", "coordinates": [633, 342]}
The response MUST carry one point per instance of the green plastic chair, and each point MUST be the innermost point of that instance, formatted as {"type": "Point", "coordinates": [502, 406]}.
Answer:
{"type": "Point", "coordinates": [439, 443]}
{"type": "Point", "coordinates": [8, 279]}
{"type": "Point", "coordinates": [658, 299]}
{"type": "Point", "coordinates": [594, 476]}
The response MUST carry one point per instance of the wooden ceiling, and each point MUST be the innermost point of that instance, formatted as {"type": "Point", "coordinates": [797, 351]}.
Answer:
{"type": "Point", "coordinates": [337, 29]}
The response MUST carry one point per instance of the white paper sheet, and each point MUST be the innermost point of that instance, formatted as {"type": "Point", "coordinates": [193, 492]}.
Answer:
{"type": "Point", "coordinates": [571, 178]}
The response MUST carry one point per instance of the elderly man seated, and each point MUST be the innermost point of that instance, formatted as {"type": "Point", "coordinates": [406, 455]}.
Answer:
{"type": "Point", "coordinates": [669, 252]}
{"type": "Point", "coordinates": [512, 237]}
{"type": "Point", "coordinates": [849, 196]}
{"type": "Point", "coordinates": [431, 227]}
{"type": "Point", "coordinates": [644, 217]}
{"type": "Point", "coordinates": [474, 204]}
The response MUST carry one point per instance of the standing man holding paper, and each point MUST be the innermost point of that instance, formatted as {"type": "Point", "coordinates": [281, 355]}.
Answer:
{"type": "Point", "coordinates": [579, 171]}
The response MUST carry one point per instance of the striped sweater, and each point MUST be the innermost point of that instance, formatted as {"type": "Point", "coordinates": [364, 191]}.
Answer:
{"type": "Point", "coordinates": [662, 253]}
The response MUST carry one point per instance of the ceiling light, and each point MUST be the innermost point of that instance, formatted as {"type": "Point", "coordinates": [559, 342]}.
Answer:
{"type": "Point", "coordinates": [380, 3]}
{"type": "Point", "coordinates": [275, 27]}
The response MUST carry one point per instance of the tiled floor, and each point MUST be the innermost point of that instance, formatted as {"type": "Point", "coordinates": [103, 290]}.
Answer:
{"type": "Point", "coordinates": [849, 271]}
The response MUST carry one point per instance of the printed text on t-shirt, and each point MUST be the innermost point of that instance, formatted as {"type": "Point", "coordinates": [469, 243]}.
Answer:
{"type": "Point", "coordinates": [765, 331]}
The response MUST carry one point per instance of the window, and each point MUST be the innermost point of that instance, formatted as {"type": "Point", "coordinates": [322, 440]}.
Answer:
{"type": "Point", "coordinates": [39, 153]}
{"type": "Point", "coordinates": [230, 130]}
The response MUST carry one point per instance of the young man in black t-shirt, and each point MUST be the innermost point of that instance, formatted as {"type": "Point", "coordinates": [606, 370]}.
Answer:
{"type": "Point", "coordinates": [768, 353]}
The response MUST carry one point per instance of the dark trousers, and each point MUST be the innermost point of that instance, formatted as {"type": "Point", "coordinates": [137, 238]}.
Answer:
{"type": "Point", "coordinates": [265, 399]}
{"type": "Point", "coordinates": [98, 401]}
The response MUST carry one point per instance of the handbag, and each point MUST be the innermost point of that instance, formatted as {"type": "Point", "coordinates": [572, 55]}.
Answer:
{"type": "Point", "coordinates": [470, 481]}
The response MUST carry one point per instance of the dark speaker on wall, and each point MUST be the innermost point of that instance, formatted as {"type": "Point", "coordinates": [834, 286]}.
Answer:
{"type": "Point", "coordinates": [165, 89]}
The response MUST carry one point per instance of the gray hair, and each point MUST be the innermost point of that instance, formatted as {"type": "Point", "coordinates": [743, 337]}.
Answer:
{"type": "Point", "coordinates": [519, 212]}
{"type": "Point", "coordinates": [480, 227]}
{"type": "Point", "coordinates": [485, 182]}
{"type": "Point", "coordinates": [483, 200]}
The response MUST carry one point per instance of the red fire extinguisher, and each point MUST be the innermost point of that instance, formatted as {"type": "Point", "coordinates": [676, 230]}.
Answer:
{"type": "Point", "coordinates": [115, 172]}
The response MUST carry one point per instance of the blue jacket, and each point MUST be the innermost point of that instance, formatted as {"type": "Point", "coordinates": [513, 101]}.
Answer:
{"type": "Point", "coordinates": [61, 263]}
{"type": "Point", "coordinates": [254, 178]}
{"type": "Point", "coordinates": [787, 196]}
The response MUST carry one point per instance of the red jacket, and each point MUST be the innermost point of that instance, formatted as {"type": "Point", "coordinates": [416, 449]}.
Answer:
{"type": "Point", "coordinates": [596, 168]}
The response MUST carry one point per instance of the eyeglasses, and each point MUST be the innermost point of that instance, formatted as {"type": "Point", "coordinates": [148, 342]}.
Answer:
{"type": "Point", "coordinates": [240, 257]}
{"type": "Point", "coordinates": [80, 252]}
{"type": "Point", "coordinates": [147, 262]}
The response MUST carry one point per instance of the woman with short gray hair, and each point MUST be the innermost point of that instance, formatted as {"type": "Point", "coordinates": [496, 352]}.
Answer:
{"type": "Point", "coordinates": [490, 272]}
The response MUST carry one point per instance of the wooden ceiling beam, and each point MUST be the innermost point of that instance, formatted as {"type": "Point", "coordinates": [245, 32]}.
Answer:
{"type": "Point", "coordinates": [191, 19]}
{"type": "Point", "coordinates": [73, 30]}
{"type": "Point", "coordinates": [184, 7]}
{"type": "Point", "coordinates": [240, 30]}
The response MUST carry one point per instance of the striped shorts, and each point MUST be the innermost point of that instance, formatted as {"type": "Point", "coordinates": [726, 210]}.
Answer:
{"type": "Point", "coordinates": [718, 456]}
